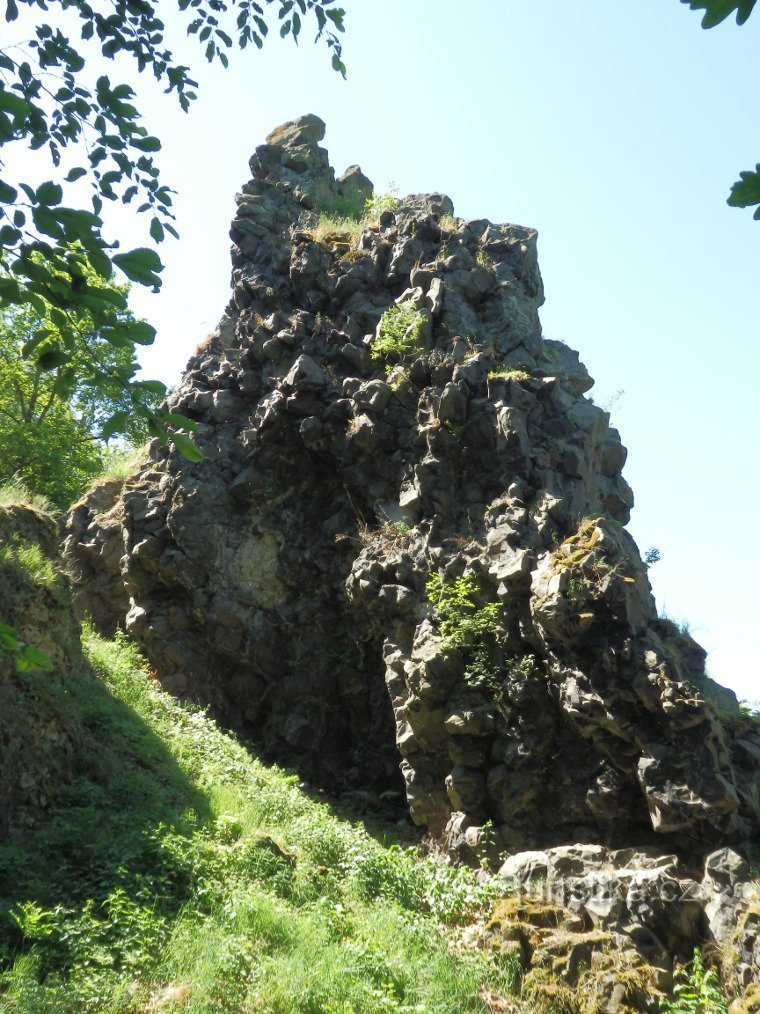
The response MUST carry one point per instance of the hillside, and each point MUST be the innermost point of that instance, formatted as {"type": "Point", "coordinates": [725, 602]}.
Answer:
{"type": "Point", "coordinates": [178, 872]}
{"type": "Point", "coordinates": [375, 710]}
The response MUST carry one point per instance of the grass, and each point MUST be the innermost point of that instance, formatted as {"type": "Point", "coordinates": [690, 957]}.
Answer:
{"type": "Point", "coordinates": [342, 223]}
{"type": "Point", "coordinates": [121, 463]}
{"type": "Point", "coordinates": [330, 225]}
{"type": "Point", "coordinates": [15, 493]}
{"type": "Point", "coordinates": [29, 564]}
{"type": "Point", "coordinates": [177, 872]}
{"type": "Point", "coordinates": [449, 223]}
{"type": "Point", "coordinates": [519, 376]}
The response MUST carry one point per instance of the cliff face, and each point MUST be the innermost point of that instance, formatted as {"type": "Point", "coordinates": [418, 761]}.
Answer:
{"type": "Point", "coordinates": [414, 566]}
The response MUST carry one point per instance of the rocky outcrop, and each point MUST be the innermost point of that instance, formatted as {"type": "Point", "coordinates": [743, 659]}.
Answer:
{"type": "Point", "coordinates": [38, 735]}
{"type": "Point", "coordinates": [93, 551]}
{"type": "Point", "coordinates": [413, 564]}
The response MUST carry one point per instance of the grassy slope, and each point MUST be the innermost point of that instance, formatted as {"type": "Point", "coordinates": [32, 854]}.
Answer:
{"type": "Point", "coordinates": [179, 873]}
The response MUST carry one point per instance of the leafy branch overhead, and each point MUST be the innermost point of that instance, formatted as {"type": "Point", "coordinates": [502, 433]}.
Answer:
{"type": "Point", "coordinates": [745, 193]}
{"type": "Point", "coordinates": [51, 247]}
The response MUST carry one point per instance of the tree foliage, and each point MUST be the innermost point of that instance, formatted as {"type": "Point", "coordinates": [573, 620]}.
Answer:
{"type": "Point", "coordinates": [53, 249]}
{"type": "Point", "coordinates": [745, 193]}
{"type": "Point", "coordinates": [52, 411]}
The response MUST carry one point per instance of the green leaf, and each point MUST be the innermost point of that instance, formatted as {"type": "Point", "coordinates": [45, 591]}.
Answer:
{"type": "Point", "coordinates": [146, 143]}
{"type": "Point", "coordinates": [186, 447]}
{"type": "Point", "coordinates": [9, 235]}
{"type": "Point", "coordinates": [156, 230]}
{"type": "Point", "coordinates": [49, 193]}
{"type": "Point", "coordinates": [116, 424]}
{"type": "Point", "coordinates": [129, 332]}
{"type": "Point", "coordinates": [76, 174]}
{"type": "Point", "coordinates": [8, 194]}
{"type": "Point", "coordinates": [51, 359]}
{"type": "Point", "coordinates": [13, 103]}
{"type": "Point", "coordinates": [717, 11]}
{"type": "Point", "coordinates": [33, 658]}
{"type": "Point", "coordinates": [40, 336]}
{"type": "Point", "coordinates": [181, 421]}
{"type": "Point", "coordinates": [140, 265]}
{"type": "Point", "coordinates": [154, 386]}
{"type": "Point", "coordinates": [746, 191]}
{"type": "Point", "coordinates": [48, 223]}
{"type": "Point", "coordinates": [101, 262]}
{"type": "Point", "coordinates": [9, 637]}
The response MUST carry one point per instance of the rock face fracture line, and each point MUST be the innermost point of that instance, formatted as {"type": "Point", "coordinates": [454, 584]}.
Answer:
{"type": "Point", "coordinates": [403, 564]}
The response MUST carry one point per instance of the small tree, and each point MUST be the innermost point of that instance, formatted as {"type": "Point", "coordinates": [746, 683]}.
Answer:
{"type": "Point", "coordinates": [53, 411]}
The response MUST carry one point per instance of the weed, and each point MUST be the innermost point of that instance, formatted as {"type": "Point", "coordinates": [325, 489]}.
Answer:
{"type": "Point", "coordinates": [347, 207]}
{"type": "Point", "coordinates": [388, 536]}
{"type": "Point", "coordinates": [457, 430]}
{"type": "Point", "coordinates": [613, 400]}
{"type": "Point", "coordinates": [449, 223]}
{"type": "Point", "coordinates": [463, 623]}
{"type": "Point", "coordinates": [398, 378]}
{"type": "Point", "coordinates": [121, 463]}
{"type": "Point", "coordinates": [400, 331]}
{"type": "Point", "coordinates": [696, 991]}
{"type": "Point", "coordinates": [485, 260]}
{"type": "Point", "coordinates": [378, 204]}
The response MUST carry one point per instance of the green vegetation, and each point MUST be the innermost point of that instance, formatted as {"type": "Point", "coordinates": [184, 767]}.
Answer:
{"type": "Point", "coordinates": [342, 223]}
{"type": "Point", "coordinates": [485, 260]}
{"type": "Point", "coordinates": [26, 656]}
{"type": "Point", "coordinates": [400, 331]}
{"type": "Point", "coordinates": [54, 410]}
{"type": "Point", "coordinates": [51, 248]}
{"type": "Point", "coordinates": [378, 204]}
{"type": "Point", "coordinates": [696, 991]}
{"type": "Point", "coordinates": [29, 563]}
{"type": "Point", "coordinates": [15, 493]}
{"type": "Point", "coordinates": [466, 625]}
{"type": "Point", "coordinates": [463, 622]}
{"type": "Point", "coordinates": [120, 463]}
{"type": "Point", "coordinates": [519, 376]}
{"type": "Point", "coordinates": [472, 626]}
{"type": "Point", "coordinates": [178, 872]}
{"type": "Point", "coordinates": [652, 556]}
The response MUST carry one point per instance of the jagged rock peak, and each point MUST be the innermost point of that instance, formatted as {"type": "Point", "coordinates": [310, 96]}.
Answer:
{"type": "Point", "coordinates": [403, 566]}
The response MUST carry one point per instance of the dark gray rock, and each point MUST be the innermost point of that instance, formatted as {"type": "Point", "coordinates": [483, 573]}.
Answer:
{"type": "Point", "coordinates": [284, 580]}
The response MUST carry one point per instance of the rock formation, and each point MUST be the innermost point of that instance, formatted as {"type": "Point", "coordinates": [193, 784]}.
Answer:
{"type": "Point", "coordinates": [405, 552]}
{"type": "Point", "coordinates": [38, 738]}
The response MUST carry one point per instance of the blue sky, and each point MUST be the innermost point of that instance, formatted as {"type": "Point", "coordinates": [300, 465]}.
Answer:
{"type": "Point", "coordinates": [616, 129]}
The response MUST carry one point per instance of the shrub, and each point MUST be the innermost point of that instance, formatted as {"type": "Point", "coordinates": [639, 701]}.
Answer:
{"type": "Point", "coordinates": [400, 331]}
{"type": "Point", "coordinates": [463, 623]}
{"type": "Point", "coordinates": [378, 204]}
